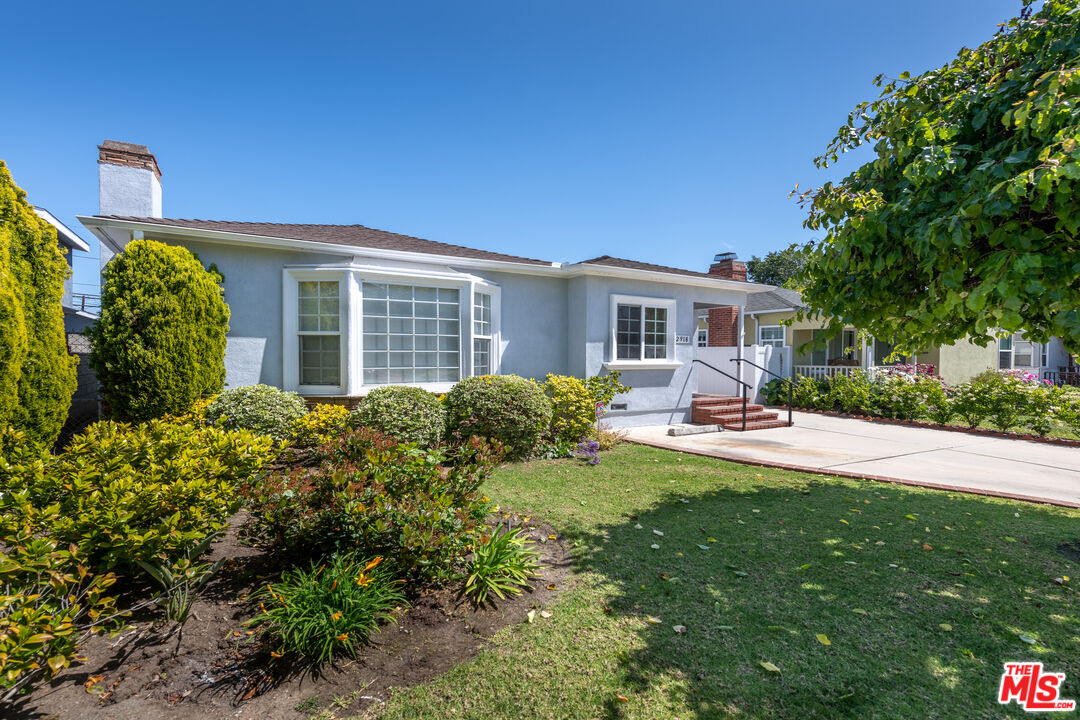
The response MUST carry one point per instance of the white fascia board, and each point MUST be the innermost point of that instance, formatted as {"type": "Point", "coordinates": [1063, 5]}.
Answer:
{"type": "Point", "coordinates": [752, 313]}
{"type": "Point", "coordinates": [66, 235]}
{"type": "Point", "coordinates": [657, 276]}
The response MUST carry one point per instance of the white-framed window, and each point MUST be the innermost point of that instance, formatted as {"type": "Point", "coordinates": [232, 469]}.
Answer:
{"type": "Point", "coordinates": [703, 337]}
{"type": "Point", "coordinates": [319, 332]}
{"type": "Point", "coordinates": [642, 330]}
{"type": "Point", "coordinates": [1014, 351]}
{"type": "Point", "coordinates": [482, 334]}
{"type": "Point", "coordinates": [412, 333]}
{"type": "Point", "coordinates": [771, 335]}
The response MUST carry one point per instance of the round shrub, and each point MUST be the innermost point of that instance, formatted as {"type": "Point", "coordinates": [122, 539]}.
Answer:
{"type": "Point", "coordinates": [573, 409]}
{"type": "Point", "coordinates": [259, 408]}
{"type": "Point", "coordinates": [408, 414]}
{"type": "Point", "coordinates": [506, 408]}
{"type": "Point", "coordinates": [160, 342]}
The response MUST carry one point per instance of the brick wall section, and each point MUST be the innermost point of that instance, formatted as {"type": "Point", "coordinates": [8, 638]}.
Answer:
{"type": "Point", "coordinates": [731, 269]}
{"type": "Point", "coordinates": [724, 327]}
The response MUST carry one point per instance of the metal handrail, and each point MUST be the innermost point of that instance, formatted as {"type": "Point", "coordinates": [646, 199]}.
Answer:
{"type": "Point", "coordinates": [790, 385]}
{"type": "Point", "coordinates": [746, 386]}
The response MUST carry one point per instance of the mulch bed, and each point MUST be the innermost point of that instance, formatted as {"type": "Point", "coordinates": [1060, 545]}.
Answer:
{"type": "Point", "coordinates": [218, 670]}
{"type": "Point", "coordinates": [934, 426]}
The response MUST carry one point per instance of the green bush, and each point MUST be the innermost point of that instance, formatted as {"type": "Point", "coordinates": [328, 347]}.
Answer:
{"type": "Point", "coordinates": [501, 565]}
{"type": "Point", "coordinates": [37, 375]}
{"type": "Point", "coordinates": [604, 388]}
{"type": "Point", "coordinates": [1067, 411]}
{"type": "Point", "coordinates": [808, 391]}
{"type": "Point", "coordinates": [1005, 397]}
{"type": "Point", "coordinates": [573, 409]}
{"type": "Point", "coordinates": [419, 508]}
{"type": "Point", "coordinates": [409, 414]}
{"type": "Point", "coordinates": [1042, 404]}
{"type": "Point", "coordinates": [260, 408]}
{"type": "Point", "coordinates": [329, 609]}
{"type": "Point", "coordinates": [970, 405]}
{"type": "Point", "coordinates": [849, 393]}
{"type": "Point", "coordinates": [125, 494]}
{"type": "Point", "coordinates": [49, 604]}
{"type": "Point", "coordinates": [323, 424]}
{"type": "Point", "coordinates": [160, 342]}
{"type": "Point", "coordinates": [506, 408]}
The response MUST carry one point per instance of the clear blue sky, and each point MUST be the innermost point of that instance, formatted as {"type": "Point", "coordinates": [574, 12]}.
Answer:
{"type": "Point", "coordinates": [660, 131]}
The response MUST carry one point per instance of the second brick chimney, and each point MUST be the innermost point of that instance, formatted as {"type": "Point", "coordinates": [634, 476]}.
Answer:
{"type": "Point", "coordinates": [726, 265]}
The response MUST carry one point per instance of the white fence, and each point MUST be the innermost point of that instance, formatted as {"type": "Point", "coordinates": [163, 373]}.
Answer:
{"type": "Point", "coordinates": [820, 372]}
{"type": "Point", "coordinates": [776, 359]}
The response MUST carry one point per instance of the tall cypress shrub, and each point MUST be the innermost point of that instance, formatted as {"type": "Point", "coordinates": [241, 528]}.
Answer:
{"type": "Point", "coordinates": [37, 374]}
{"type": "Point", "coordinates": [160, 343]}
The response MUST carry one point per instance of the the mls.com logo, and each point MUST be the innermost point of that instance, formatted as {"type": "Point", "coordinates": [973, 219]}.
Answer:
{"type": "Point", "coordinates": [1032, 689]}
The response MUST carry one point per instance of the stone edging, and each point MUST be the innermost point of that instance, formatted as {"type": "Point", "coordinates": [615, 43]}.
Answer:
{"type": "Point", "coordinates": [855, 476]}
{"type": "Point", "coordinates": [934, 426]}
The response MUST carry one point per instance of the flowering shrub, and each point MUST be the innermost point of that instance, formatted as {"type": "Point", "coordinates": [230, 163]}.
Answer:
{"type": "Point", "coordinates": [588, 450]}
{"type": "Point", "coordinates": [1068, 409]}
{"type": "Point", "coordinates": [259, 408]}
{"type": "Point", "coordinates": [849, 393]}
{"type": "Point", "coordinates": [326, 422]}
{"type": "Point", "coordinates": [331, 608]}
{"type": "Point", "coordinates": [573, 407]}
{"type": "Point", "coordinates": [419, 508]}
{"type": "Point", "coordinates": [409, 414]}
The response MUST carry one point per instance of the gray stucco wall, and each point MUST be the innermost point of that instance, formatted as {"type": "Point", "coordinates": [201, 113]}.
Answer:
{"type": "Point", "coordinates": [658, 396]}
{"type": "Point", "coordinates": [533, 326]}
{"type": "Point", "coordinates": [253, 292]}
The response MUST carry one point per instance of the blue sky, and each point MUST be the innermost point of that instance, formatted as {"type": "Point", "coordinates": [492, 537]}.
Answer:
{"type": "Point", "coordinates": [659, 131]}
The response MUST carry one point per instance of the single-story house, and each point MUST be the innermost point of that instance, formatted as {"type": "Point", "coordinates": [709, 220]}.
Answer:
{"type": "Point", "coordinates": [771, 321]}
{"type": "Point", "coordinates": [332, 311]}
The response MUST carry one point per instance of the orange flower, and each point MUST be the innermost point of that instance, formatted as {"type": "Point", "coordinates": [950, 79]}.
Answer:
{"type": "Point", "coordinates": [275, 654]}
{"type": "Point", "coordinates": [372, 563]}
{"type": "Point", "coordinates": [363, 579]}
{"type": "Point", "coordinates": [334, 585]}
{"type": "Point", "coordinates": [343, 637]}
{"type": "Point", "coordinates": [336, 616]}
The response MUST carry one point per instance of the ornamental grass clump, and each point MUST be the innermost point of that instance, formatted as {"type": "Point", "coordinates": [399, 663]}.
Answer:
{"type": "Point", "coordinates": [329, 609]}
{"type": "Point", "coordinates": [502, 565]}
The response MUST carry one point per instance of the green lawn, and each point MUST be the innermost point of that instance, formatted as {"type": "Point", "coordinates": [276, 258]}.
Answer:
{"type": "Point", "coordinates": [922, 595]}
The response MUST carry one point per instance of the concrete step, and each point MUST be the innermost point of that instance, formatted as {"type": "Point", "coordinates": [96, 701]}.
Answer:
{"type": "Point", "coordinates": [728, 417]}
{"type": "Point", "coordinates": [757, 425]}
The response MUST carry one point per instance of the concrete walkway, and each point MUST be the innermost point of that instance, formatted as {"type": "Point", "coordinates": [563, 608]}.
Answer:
{"type": "Point", "coordinates": [934, 458]}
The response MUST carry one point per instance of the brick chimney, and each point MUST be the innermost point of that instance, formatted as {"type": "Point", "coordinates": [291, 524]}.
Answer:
{"type": "Point", "coordinates": [725, 265]}
{"type": "Point", "coordinates": [129, 180]}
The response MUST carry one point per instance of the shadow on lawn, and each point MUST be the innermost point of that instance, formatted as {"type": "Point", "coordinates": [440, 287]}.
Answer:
{"type": "Point", "coordinates": [922, 595]}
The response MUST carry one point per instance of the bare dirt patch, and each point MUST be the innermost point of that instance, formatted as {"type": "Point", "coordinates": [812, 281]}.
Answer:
{"type": "Point", "coordinates": [215, 669]}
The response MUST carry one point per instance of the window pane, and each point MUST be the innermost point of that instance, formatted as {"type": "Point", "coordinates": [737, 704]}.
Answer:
{"type": "Point", "coordinates": [1005, 343]}
{"type": "Point", "coordinates": [374, 290]}
{"type": "Point", "coordinates": [320, 360]}
{"type": "Point", "coordinates": [1023, 353]}
{"type": "Point", "coordinates": [401, 292]}
{"type": "Point", "coordinates": [655, 333]}
{"type": "Point", "coordinates": [481, 314]}
{"type": "Point", "coordinates": [1005, 360]}
{"type": "Point", "coordinates": [628, 332]}
{"type": "Point", "coordinates": [481, 357]}
{"type": "Point", "coordinates": [318, 307]}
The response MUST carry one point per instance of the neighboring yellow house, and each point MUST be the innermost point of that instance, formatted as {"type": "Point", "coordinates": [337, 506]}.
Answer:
{"type": "Point", "coordinates": [766, 312]}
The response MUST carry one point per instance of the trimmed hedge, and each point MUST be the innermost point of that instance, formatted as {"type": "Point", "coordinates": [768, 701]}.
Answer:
{"type": "Point", "coordinates": [160, 343]}
{"type": "Point", "coordinates": [408, 414]}
{"type": "Point", "coordinates": [260, 408]}
{"type": "Point", "coordinates": [506, 408]}
{"type": "Point", "coordinates": [37, 375]}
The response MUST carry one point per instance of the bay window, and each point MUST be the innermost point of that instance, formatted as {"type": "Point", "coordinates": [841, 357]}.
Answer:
{"type": "Point", "coordinates": [411, 334]}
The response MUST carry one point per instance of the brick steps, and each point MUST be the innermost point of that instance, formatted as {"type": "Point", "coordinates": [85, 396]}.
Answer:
{"type": "Point", "coordinates": [726, 411]}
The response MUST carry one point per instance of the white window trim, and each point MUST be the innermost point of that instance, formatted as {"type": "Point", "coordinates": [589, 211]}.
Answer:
{"type": "Point", "coordinates": [642, 364]}
{"type": "Point", "coordinates": [351, 300]}
{"type": "Point", "coordinates": [697, 337]}
{"type": "Point", "coordinates": [495, 350]}
{"type": "Point", "coordinates": [291, 326]}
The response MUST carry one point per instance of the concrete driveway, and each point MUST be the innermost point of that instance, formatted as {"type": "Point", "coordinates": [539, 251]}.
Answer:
{"type": "Point", "coordinates": [934, 458]}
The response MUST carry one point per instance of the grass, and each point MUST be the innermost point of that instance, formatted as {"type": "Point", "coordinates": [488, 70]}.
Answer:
{"type": "Point", "coordinates": [922, 594]}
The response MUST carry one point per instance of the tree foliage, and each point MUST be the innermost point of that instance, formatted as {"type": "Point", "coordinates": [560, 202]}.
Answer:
{"type": "Point", "coordinates": [160, 343]}
{"type": "Point", "coordinates": [965, 223]}
{"type": "Point", "coordinates": [37, 374]}
{"type": "Point", "coordinates": [779, 267]}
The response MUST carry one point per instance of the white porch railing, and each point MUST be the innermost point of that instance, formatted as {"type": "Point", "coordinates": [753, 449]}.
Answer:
{"type": "Point", "coordinates": [820, 372]}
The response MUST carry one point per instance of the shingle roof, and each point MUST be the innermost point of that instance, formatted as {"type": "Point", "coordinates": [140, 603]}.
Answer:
{"type": "Point", "coordinates": [775, 299]}
{"type": "Point", "coordinates": [635, 265]}
{"type": "Point", "coordinates": [353, 235]}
